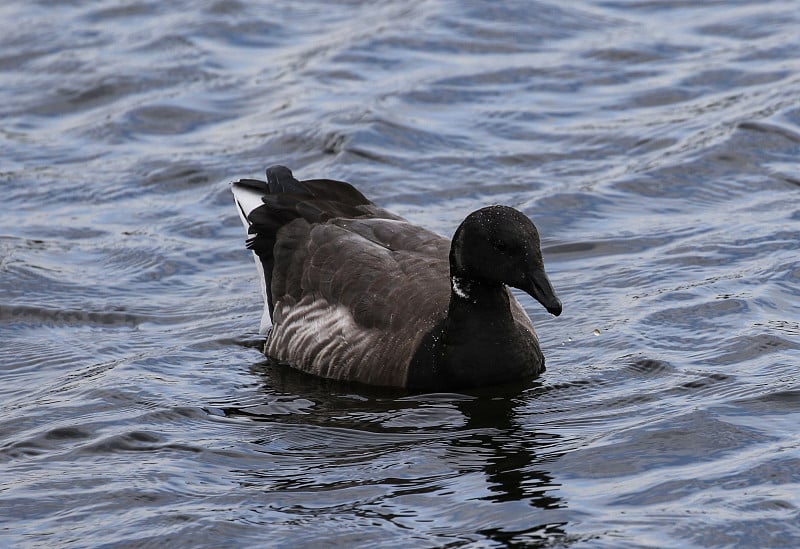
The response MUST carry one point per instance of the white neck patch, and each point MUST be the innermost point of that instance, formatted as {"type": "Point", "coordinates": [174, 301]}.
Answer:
{"type": "Point", "coordinates": [459, 287]}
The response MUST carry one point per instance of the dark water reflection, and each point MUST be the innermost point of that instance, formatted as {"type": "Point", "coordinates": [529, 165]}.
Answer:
{"type": "Point", "coordinates": [445, 464]}
{"type": "Point", "coordinates": [654, 143]}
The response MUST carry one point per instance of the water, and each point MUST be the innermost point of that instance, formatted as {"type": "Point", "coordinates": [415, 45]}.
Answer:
{"type": "Point", "coordinates": [654, 143]}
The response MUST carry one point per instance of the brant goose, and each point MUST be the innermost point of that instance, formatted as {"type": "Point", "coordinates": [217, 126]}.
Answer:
{"type": "Point", "coordinates": [354, 292]}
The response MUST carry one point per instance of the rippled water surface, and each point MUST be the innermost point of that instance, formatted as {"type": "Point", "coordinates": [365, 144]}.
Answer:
{"type": "Point", "coordinates": [655, 144]}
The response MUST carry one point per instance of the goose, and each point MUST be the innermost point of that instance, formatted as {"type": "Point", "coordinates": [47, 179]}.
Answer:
{"type": "Point", "coordinates": [356, 293]}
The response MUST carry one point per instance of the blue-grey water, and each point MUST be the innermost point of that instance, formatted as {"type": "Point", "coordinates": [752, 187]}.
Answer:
{"type": "Point", "coordinates": [655, 143]}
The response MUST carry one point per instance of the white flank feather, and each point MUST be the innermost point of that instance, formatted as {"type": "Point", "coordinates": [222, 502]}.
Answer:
{"type": "Point", "coordinates": [248, 200]}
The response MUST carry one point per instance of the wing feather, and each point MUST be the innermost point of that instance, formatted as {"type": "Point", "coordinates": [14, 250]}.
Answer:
{"type": "Point", "coordinates": [353, 291]}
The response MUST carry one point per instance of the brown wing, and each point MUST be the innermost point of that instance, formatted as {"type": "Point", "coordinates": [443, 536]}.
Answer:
{"type": "Point", "coordinates": [354, 297]}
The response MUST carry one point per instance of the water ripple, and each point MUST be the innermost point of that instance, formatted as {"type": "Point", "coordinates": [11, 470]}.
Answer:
{"type": "Point", "coordinates": [655, 144]}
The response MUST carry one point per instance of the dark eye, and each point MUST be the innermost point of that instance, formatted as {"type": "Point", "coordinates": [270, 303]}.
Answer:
{"type": "Point", "coordinates": [501, 246]}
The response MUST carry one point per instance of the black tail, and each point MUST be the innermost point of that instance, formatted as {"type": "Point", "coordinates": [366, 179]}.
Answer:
{"type": "Point", "coordinates": [286, 199]}
{"type": "Point", "coordinates": [281, 180]}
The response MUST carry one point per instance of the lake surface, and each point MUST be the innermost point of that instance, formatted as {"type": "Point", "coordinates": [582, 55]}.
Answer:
{"type": "Point", "coordinates": [656, 145]}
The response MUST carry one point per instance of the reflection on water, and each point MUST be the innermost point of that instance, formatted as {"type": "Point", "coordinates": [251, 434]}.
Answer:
{"type": "Point", "coordinates": [654, 143]}
{"type": "Point", "coordinates": [445, 455]}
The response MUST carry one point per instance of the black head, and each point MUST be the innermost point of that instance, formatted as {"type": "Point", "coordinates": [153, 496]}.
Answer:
{"type": "Point", "coordinates": [500, 245]}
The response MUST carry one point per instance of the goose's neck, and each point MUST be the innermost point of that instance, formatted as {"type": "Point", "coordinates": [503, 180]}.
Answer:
{"type": "Point", "coordinates": [468, 293]}
{"type": "Point", "coordinates": [478, 334]}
